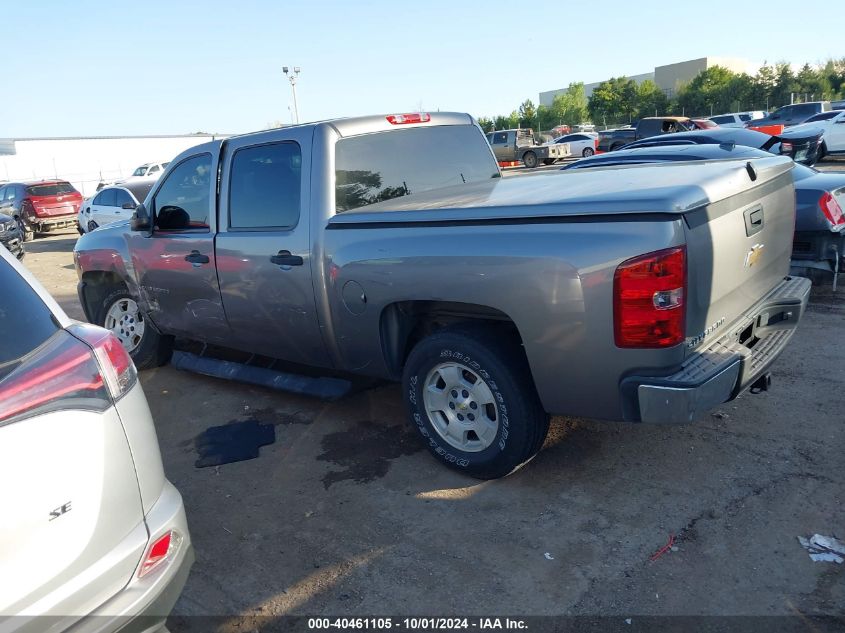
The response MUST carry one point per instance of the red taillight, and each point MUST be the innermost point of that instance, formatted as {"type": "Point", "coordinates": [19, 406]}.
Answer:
{"type": "Point", "coordinates": [831, 209]}
{"type": "Point", "coordinates": [160, 551]}
{"type": "Point", "coordinates": [117, 367]}
{"type": "Point", "coordinates": [414, 117]}
{"type": "Point", "coordinates": [648, 299]}
{"type": "Point", "coordinates": [63, 370]}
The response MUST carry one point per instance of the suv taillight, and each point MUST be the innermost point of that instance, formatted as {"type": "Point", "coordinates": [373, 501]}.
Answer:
{"type": "Point", "coordinates": [88, 370]}
{"type": "Point", "coordinates": [831, 209]}
{"type": "Point", "coordinates": [648, 299]}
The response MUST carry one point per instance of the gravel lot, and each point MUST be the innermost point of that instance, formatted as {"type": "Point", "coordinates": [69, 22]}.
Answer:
{"type": "Point", "coordinates": [347, 514]}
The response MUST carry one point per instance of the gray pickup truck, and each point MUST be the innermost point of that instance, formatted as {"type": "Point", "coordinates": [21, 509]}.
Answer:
{"type": "Point", "coordinates": [519, 146]}
{"type": "Point", "coordinates": [391, 247]}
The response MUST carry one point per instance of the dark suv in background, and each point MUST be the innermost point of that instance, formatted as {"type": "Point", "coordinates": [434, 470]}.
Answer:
{"type": "Point", "coordinates": [41, 206]}
{"type": "Point", "coordinates": [791, 114]}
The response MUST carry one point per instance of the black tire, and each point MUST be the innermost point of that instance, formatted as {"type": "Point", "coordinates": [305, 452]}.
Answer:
{"type": "Point", "coordinates": [822, 152]}
{"type": "Point", "coordinates": [28, 235]}
{"type": "Point", "coordinates": [588, 151]}
{"type": "Point", "coordinates": [549, 161]}
{"type": "Point", "coordinates": [154, 350]}
{"type": "Point", "coordinates": [529, 159]}
{"type": "Point", "coordinates": [501, 363]}
{"type": "Point", "coordinates": [92, 225]}
{"type": "Point", "coordinates": [615, 147]}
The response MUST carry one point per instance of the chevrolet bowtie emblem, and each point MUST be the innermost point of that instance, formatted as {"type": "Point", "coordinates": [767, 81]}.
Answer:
{"type": "Point", "coordinates": [753, 255]}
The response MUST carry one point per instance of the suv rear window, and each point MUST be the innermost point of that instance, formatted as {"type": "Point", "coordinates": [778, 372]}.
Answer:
{"type": "Point", "coordinates": [376, 167]}
{"type": "Point", "coordinates": [25, 322]}
{"type": "Point", "coordinates": [50, 189]}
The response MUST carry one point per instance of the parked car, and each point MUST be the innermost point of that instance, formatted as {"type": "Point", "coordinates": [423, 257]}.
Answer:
{"type": "Point", "coordinates": [837, 105]}
{"type": "Point", "coordinates": [791, 114]}
{"type": "Point", "coordinates": [832, 125]}
{"type": "Point", "coordinates": [580, 144]}
{"type": "Point", "coordinates": [94, 536]}
{"type": "Point", "coordinates": [646, 127]}
{"type": "Point", "coordinates": [801, 145]}
{"type": "Point", "coordinates": [11, 236]}
{"type": "Point", "coordinates": [354, 246]}
{"type": "Point", "coordinates": [737, 119]}
{"type": "Point", "coordinates": [819, 241]}
{"type": "Point", "coordinates": [112, 204]}
{"type": "Point", "coordinates": [42, 206]}
{"type": "Point", "coordinates": [147, 171]}
{"type": "Point", "coordinates": [520, 146]}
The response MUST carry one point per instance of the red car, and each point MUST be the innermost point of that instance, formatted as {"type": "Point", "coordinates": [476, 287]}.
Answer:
{"type": "Point", "coordinates": [40, 206]}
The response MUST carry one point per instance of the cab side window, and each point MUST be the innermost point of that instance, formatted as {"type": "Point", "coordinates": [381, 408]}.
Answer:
{"type": "Point", "coordinates": [500, 137]}
{"type": "Point", "coordinates": [264, 189]}
{"type": "Point", "coordinates": [105, 198]}
{"type": "Point", "coordinates": [182, 202]}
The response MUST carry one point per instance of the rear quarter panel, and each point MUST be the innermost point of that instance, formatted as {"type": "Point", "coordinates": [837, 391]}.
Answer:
{"type": "Point", "coordinates": [554, 281]}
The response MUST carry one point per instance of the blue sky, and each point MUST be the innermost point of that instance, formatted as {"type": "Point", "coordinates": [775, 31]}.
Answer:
{"type": "Point", "coordinates": [151, 67]}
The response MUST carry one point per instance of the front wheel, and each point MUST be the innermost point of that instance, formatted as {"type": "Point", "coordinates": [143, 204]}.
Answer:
{"type": "Point", "coordinates": [588, 151]}
{"type": "Point", "coordinates": [529, 159]}
{"type": "Point", "coordinates": [549, 161]}
{"type": "Point", "coordinates": [470, 396]}
{"type": "Point", "coordinates": [822, 152]}
{"type": "Point", "coordinates": [119, 312]}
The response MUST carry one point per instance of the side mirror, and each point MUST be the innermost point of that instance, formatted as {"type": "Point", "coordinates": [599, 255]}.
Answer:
{"type": "Point", "coordinates": [140, 219]}
{"type": "Point", "coordinates": [128, 205]}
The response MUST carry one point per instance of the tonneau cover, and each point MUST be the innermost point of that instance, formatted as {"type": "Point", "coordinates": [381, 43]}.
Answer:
{"type": "Point", "coordinates": [635, 189]}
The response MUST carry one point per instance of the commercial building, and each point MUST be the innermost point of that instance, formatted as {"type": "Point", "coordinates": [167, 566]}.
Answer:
{"type": "Point", "coordinates": [669, 77]}
{"type": "Point", "coordinates": [87, 161]}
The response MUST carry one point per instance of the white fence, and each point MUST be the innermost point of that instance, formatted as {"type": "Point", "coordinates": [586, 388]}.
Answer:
{"type": "Point", "coordinates": [85, 162]}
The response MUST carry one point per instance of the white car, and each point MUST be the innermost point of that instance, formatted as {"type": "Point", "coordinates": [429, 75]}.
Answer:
{"type": "Point", "coordinates": [147, 171]}
{"type": "Point", "coordinates": [581, 144]}
{"type": "Point", "coordinates": [112, 204]}
{"type": "Point", "coordinates": [93, 536]}
{"type": "Point", "coordinates": [832, 125]}
{"type": "Point", "coordinates": [737, 119]}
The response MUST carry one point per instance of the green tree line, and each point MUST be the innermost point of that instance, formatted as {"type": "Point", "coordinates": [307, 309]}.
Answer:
{"type": "Point", "coordinates": [716, 90]}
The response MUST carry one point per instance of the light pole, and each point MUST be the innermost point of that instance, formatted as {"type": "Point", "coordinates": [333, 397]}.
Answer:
{"type": "Point", "coordinates": [292, 78]}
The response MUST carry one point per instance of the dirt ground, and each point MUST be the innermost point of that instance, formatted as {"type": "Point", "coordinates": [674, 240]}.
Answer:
{"type": "Point", "coordinates": [346, 513]}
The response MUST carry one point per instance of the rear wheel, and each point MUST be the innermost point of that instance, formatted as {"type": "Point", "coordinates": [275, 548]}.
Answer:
{"type": "Point", "coordinates": [822, 152]}
{"type": "Point", "coordinates": [470, 396]}
{"type": "Point", "coordinates": [120, 313]}
{"type": "Point", "coordinates": [548, 161]}
{"type": "Point", "coordinates": [529, 159]}
{"type": "Point", "coordinates": [615, 147]}
{"type": "Point", "coordinates": [588, 151]}
{"type": "Point", "coordinates": [92, 225]}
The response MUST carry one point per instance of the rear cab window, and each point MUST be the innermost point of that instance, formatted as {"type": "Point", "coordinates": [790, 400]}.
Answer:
{"type": "Point", "coordinates": [25, 321]}
{"type": "Point", "coordinates": [381, 166]}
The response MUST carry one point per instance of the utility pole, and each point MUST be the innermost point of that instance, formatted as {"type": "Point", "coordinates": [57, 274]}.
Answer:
{"type": "Point", "coordinates": [292, 77]}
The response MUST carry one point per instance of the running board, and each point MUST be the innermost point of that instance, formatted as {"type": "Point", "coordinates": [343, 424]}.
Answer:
{"type": "Point", "coordinates": [320, 387]}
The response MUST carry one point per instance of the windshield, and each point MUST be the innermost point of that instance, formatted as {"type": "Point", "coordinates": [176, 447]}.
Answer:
{"type": "Point", "coordinates": [141, 171]}
{"type": "Point", "coordinates": [376, 167]}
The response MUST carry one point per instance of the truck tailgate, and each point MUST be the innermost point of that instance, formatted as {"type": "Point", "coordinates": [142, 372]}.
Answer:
{"type": "Point", "coordinates": [738, 246]}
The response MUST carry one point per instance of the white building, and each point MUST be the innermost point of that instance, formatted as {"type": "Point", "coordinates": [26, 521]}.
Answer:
{"type": "Point", "coordinates": [87, 161]}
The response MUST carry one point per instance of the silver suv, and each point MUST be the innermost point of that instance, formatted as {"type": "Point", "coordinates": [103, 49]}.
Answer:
{"type": "Point", "coordinates": [92, 534]}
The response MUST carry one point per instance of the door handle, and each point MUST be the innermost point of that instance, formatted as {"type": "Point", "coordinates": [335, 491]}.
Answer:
{"type": "Point", "coordinates": [197, 258]}
{"type": "Point", "coordinates": [284, 258]}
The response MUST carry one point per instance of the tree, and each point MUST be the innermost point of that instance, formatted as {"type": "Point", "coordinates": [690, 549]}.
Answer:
{"type": "Point", "coordinates": [785, 85]}
{"type": "Point", "coordinates": [813, 83]}
{"type": "Point", "coordinates": [614, 100]}
{"type": "Point", "coordinates": [485, 123]}
{"type": "Point", "coordinates": [527, 114]}
{"type": "Point", "coordinates": [651, 100]}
